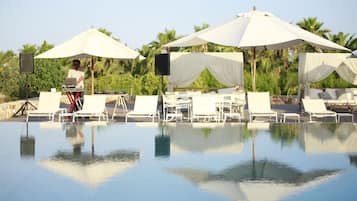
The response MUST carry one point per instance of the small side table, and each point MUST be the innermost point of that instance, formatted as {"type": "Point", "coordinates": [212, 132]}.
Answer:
{"type": "Point", "coordinates": [172, 116]}
{"type": "Point", "coordinates": [232, 116]}
{"type": "Point", "coordinates": [294, 115]}
{"type": "Point", "coordinates": [62, 116]}
{"type": "Point", "coordinates": [120, 102]}
{"type": "Point", "coordinates": [339, 115]}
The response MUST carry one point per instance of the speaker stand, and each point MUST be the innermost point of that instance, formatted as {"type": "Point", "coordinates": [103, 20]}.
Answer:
{"type": "Point", "coordinates": [23, 108]}
{"type": "Point", "coordinates": [27, 105]}
{"type": "Point", "coordinates": [162, 84]}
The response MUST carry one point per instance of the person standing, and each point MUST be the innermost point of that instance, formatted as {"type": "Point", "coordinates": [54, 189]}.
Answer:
{"type": "Point", "coordinates": [76, 73]}
{"type": "Point", "coordinates": [77, 94]}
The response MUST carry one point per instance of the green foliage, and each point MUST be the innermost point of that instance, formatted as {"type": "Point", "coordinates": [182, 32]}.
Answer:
{"type": "Point", "coordinates": [206, 82]}
{"type": "Point", "coordinates": [277, 70]}
{"type": "Point", "coordinates": [312, 25]}
{"type": "Point", "coordinates": [332, 81]}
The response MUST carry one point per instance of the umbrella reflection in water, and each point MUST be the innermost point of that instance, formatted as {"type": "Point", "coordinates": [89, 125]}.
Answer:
{"type": "Point", "coordinates": [256, 180]}
{"type": "Point", "coordinates": [88, 168]}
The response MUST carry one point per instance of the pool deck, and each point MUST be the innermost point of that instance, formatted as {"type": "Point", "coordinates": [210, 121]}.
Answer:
{"type": "Point", "coordinates": [120, 117]}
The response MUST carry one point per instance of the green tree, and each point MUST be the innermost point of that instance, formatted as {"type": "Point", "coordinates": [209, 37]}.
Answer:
{"type": "Point", "coordinates": [312, 25]}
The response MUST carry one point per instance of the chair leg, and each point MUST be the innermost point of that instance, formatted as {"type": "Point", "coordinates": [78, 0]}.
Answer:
{"type": "Point", "coordinates": [126, 118]}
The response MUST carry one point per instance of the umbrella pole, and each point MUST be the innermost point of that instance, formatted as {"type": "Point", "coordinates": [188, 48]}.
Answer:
{"type": "Point", "coordinates": [254, 69]}
{"type": "Point", "coordinates": [92, 75]}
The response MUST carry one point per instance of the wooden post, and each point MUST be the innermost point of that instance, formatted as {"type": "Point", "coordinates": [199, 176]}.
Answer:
{"type": "Point", "coordinates": [92, 75]}
{"type": "Point", "coordinates": [254, 69]}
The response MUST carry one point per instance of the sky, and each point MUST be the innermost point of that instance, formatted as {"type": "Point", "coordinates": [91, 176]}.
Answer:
{"type": "Point", "coordinates": [137, 22]}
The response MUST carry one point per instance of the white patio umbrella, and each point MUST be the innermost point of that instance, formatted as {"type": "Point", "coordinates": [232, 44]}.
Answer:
{"type": "Point", "coordinates": [89, 44]}
{"type": "Point", "coordinates": [255, 30]}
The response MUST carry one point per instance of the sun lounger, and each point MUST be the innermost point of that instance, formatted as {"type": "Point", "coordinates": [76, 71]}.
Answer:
{"type": "Point", "coordinates": [316, 108]}
{"type": "Point", "coordinates": [259, 106]}
{"type": "Point", "coordinates": [48, 106]}
{"type": "Point", "coordinates": [204, 106]}
{"type": "Point", "coordinates": [93, 106]}
{"type": "Point", "coordinates": [145, 106]}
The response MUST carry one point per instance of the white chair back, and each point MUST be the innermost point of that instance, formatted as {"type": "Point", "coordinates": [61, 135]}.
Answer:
{"type": "Point", "coordinates": [94, 103]}
{"type": "Point", "coordinates": [259, 102]}
{"type": "Point", "coordinates": [145, 104]}
{"type": "Point", "coordinates": [204, 105]}
{"type": "Point", "coordinates": [49, 101]}
{"type": "Point", "coordinates": [314, 105]}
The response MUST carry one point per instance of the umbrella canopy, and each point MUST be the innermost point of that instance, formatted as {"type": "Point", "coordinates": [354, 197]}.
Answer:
{"type": "Point", "coordinates": [89, 44]}
{"type": "Point", "coordinates": [88, 169]}
{"type": "Point", "coordinates": [256, 30]}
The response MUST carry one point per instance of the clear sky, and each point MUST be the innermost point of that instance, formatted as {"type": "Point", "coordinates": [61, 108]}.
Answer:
{"type": "Point", "coordinates": [137, 22]}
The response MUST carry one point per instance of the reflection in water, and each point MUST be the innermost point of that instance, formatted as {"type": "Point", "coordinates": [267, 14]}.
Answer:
{"type": "Point", "coordinates": [162, 143]}
{"type": "Point", "coordinates": [75, 136]}
{"type": "Point", "coordinates": [353, 160]}
{"type": "Point", "coordinates": [259, 180]}
{"type": "Point", "coordinates": [88, 168]}
{"type": "Point", "coordinates": [223, 161]}
{"type": "Point", "coordinates": [329, 138]}
{"type": "Point", "coordinates": [27, 145]}
{"type": "Point", "coordinates": [205, 138]}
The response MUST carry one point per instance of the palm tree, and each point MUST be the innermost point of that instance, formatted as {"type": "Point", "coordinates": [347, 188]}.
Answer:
{"type": "Point", "coordinates": [351, 43]}
{"type": "Point", "coordinates": [339, 38]}
{"type": "Point", "coordinates": [312, 25]}
{"type": "Point", "coordinates": [167, 36]}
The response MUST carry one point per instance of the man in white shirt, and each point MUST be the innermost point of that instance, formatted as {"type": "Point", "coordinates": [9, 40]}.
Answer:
{"type": "Point", "coordinates": [77, 95]}
{"type": "Point", "coordinates": [75, 73]}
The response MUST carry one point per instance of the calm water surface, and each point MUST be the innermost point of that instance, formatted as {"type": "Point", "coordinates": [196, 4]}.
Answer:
{"type": "Point", "coordinates": [97, 161]}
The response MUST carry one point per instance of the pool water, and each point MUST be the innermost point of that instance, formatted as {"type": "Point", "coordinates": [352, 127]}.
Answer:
{"type": "Point", "coordinates": [176, 162]}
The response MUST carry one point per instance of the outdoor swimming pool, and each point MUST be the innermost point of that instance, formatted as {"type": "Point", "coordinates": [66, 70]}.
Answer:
{"type": "Point", "coordinates": [95, 161]}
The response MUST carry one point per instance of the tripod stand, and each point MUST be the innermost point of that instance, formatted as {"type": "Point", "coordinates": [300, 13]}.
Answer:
{"type": "Point", "coordinates": [26, 106]}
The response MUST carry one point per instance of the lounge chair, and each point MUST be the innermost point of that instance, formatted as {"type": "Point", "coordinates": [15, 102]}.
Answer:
{"type": "Point", "coordinates": [145, 106]}
{"type": "Point", "coordinates": [204, 106]}
{"type": "Point", "coordinates": [170, 108]}
{"type": "Point", "coordinates": [317, 108]}
{"type": "Point", "coordinates": [259, 106]}
{"type": "Point", "coordinates": [48, 106]}
{"type": "Point", "coordinates": [93, 106]}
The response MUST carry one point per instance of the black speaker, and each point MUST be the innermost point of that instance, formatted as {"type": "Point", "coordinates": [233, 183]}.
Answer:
{"type": "Point", "coordinates": [26, 63]}
{"type": "Point", "coordinates": [162, 64]}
